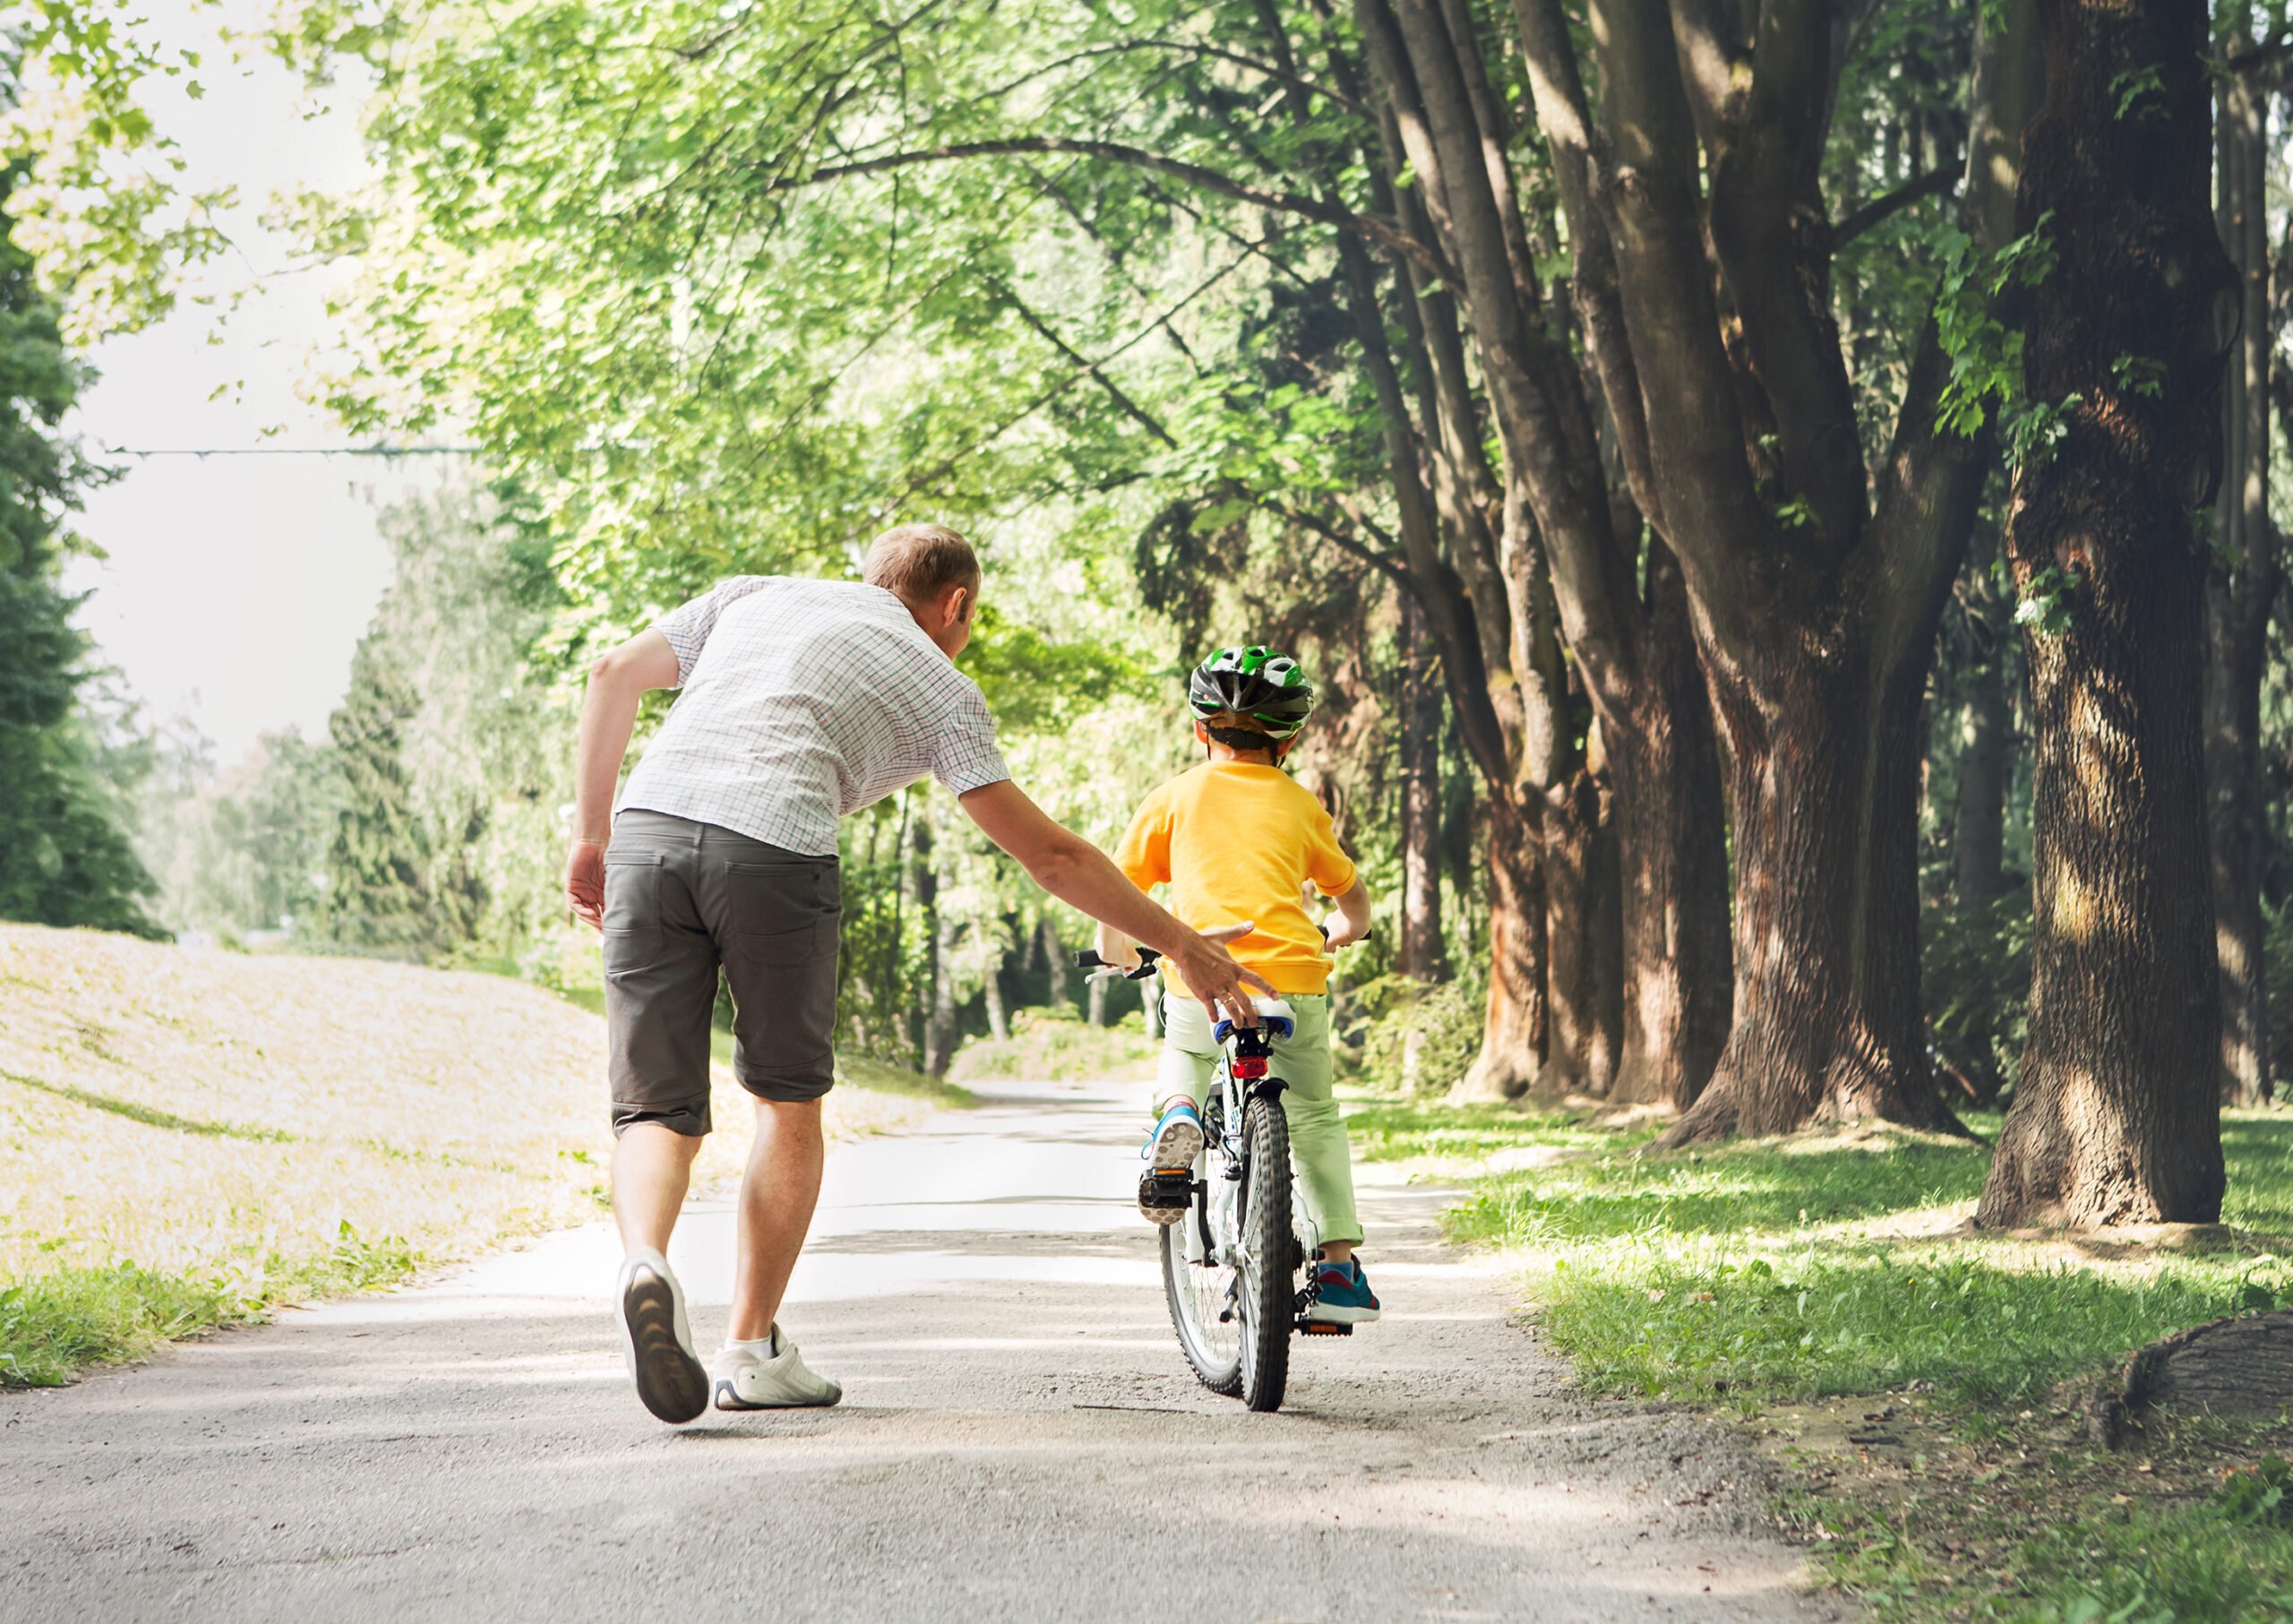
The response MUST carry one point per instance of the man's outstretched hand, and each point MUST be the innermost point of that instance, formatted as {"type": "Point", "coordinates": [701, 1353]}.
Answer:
{"type": "Point", "coordinates": [1212, 975]}
{"type": "Point", "coordinates": [585, 883]}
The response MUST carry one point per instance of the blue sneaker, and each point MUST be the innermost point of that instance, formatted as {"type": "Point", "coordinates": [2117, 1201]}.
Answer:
{"type": "Point", "coordinates": [1342, 1294]}
{"type": "Point", "coordinates": [1177, 1138]}
{"type": "Point", "coordinates": [1166, 1188]}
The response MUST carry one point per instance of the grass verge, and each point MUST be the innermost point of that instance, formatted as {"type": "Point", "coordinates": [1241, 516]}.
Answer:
{"type": "Point", "coordinates": [1911, 1383]}
{"type": "Point", "coordinates": [189, 1138]}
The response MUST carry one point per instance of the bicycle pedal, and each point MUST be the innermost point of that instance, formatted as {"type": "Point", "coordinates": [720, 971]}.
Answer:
{"type": "Point", "coordinates": [1165, 1191]}
{"type": "Point", "coordinates": [1320, 1328]}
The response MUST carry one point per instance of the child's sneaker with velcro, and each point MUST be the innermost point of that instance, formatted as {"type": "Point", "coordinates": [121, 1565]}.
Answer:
{"type": "Point", "coordinates": [1167, 1185]}
{"type": "Point", "coordinates": [1342, 1294]}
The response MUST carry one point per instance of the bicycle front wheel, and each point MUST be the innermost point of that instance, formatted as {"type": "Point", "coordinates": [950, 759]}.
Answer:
{"type": "Point", "coordinates": [1267, 1256]}
{"type": "Point", "coordinates": [1199, 1280]}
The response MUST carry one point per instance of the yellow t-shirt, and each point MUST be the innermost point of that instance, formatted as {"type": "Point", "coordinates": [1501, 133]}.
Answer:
{"type": "Point", "coordinates": [1238, 840]}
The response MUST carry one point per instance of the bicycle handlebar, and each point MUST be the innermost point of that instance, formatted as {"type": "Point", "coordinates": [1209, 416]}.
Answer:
{"type": "Point", "coordinates": [1089, 960]}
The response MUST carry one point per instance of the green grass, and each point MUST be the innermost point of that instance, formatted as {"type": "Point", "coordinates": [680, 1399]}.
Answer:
{"type": "Point", "coordinates": [55, 1325]}
{"type": "Point", "coordinates": [149, 1116]}
{"type": "Point", "coordinates": [1763, 1277]}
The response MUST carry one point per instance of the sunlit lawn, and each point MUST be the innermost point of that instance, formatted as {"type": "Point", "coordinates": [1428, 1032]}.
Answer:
{"type": "Point", "coordinates": [1765, 1274]}
{"type": "Point", "coordinates": [188, 1138]}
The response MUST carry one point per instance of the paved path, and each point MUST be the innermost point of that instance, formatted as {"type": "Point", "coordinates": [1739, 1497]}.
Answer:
{"type": "Point", "coordinates": [1020, 1439]}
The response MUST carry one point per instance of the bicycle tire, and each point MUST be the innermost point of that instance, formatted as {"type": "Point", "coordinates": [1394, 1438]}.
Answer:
{"type": "Point", "coordinates": [1192, 1290]}
{"type": "Point", "coordinates": [1266, 1302]}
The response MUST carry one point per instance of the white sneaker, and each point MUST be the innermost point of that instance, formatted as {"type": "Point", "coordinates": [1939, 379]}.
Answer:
{"type": "Point", "coordinates": [657, 1340]}
{"type": "Point", "coordinates": [747, 1380]}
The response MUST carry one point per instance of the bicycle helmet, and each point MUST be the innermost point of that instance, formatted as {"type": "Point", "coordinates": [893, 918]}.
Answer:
{"type": "Point", "coordinates": [1266, 686]}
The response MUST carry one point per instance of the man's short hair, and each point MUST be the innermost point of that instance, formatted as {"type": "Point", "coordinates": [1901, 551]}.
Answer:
{"type": "Point", "coordinates": [918, 561]}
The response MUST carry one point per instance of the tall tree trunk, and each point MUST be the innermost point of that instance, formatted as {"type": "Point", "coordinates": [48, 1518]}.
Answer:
{"type": "Point", "coordinates": [1581, 1043]}
{"type": "Point", "coordinates": [1985, 766]}
{"type": "Point", "coordinates": [998, 1017]}
{"type": "Point", "coordinates": [1423, 955]}
{"type": "Point", "coordinates": [1054, 958]}
{"type": "Point", "coordinates": [2241, 587]}
{"type": "Point", "coordinates": [1826, 1019]}
{"type": "Point", "coordinates": [2115, 1118]}
{"type": "Point", "coordinates": [938, 1044]}
{"type": "Point", "coordinates": [1095, 1010]}
{"type": "Point", "coordinates": [1672, 858]}
{"type": "Point", "coordinates": [1514, 1036]}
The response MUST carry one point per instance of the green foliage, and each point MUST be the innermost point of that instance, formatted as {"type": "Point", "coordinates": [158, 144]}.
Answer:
{"type": "Point", "coordinates": [1986, 354]}
{"type": "Point", "coordinates": [241, 852]}
{"type": "Point", "coordinates": [1052, 1045]}
{"type": "Point", "coordinates": [66, 858]}
{"type": "Point", "coordinates": [2143, 376]}
{"type": "Point", "coordinates": [1975, 977]}
{"type": "Point", "coordinates": [1397, 1033]}
{"type": "Point", "coordinates": [2260, 1493]}
{"type": "Point", "coordinates": [2131, 91]}
{"type": "Point", "coordinates": [2048, 599]}
{"type": "Point", "coordinates": [102, 198]}
{"type": "Point", "coordinates": [391, 888]}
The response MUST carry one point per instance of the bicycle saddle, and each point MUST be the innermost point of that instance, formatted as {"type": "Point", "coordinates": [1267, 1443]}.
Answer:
{"type": "Point", "coordinates": [1276, 1018]}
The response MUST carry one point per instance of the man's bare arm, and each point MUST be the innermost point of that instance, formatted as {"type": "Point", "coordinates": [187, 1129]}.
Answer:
{"type": "Point", "coordinates": [618, 681]}
{"type": "Point", "coordinates": [1078, 873]}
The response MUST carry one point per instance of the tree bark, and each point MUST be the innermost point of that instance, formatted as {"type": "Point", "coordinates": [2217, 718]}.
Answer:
{"type": "Point", "coordinates": [1095, 1006]}
{"type": "Point", "coordinates": [939, 1045]}
{"type": "Point", "coordinates": [1423, 956]}
{"type": "Point", "coordinates": [2241, 588]}
{"type": "Point", "coordinates": [1581, 1042]}
{"type": "Point", "coordinates": [1512, 1044]}
{"type": "Point", "coordinates": [2116, 1117]}
{"type": "Point", "coordinates": [1672, 860]}
{"type": "Point", "coordinates": [1826, 1025]}
{"type": "Point", "coordinates": [998, 1019]}
{"type": "Point", "coordinates": [1054, 958]}
{"type": "Point", "coordinates": [1986, 764]}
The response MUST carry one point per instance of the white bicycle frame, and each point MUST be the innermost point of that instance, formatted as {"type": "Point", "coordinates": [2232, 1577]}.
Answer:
{"type": "Point", "coordinates": [1230, 1099]}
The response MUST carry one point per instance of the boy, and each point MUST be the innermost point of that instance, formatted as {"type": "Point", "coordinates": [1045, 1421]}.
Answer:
{"type": "Point", "coordinates": [1238, 840]}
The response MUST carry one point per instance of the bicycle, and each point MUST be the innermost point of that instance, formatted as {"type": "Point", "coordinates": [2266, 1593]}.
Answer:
{"type": "Point", "coordinates": [1230, 1266]}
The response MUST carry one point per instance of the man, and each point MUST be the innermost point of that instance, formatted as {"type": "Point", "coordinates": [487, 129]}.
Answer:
{"type": "Point", "coordinates": [803, 701]}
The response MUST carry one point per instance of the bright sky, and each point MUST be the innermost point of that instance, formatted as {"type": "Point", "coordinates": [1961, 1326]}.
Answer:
{"type": "Point", "coordinates": [237, 587]}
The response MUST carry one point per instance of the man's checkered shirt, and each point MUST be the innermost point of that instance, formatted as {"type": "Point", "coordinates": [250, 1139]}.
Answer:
{"type": "Point", "coordinates": [804, 700]}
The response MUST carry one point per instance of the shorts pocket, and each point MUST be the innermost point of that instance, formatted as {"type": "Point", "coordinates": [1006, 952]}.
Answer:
{"type": "Point", "coordinates": [632, 922]}
{"type": "Point", "coordinates": [780, 949]}
{"type": "Point", "coordinates": [781, 913]}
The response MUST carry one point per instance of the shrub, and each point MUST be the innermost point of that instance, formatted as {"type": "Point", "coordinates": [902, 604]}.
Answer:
{"type": "Point", "coordinates": [1975, 977]}
{"type": "Point", "coordinates": [1381, 1020]}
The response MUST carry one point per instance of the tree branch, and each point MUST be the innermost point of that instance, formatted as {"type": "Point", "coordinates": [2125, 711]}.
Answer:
{"type": "Point", "coordinates": [1089, 367]}
{"type": "Point", "coordinates": [1384, 233]}
{"type": "Point", "coordinates": [1385, 564]}
{"type": "Point", "coordinates": [1275, 71]}
{"type": "Point", "coordinates": [1938, 182]}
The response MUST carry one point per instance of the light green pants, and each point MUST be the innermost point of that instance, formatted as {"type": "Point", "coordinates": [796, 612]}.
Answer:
{"type": "Point", "coordinates": [1317, 1147]}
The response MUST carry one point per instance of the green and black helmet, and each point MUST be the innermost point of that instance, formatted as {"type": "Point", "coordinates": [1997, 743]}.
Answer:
{"type": "Point", "coordinates": [1261, 683]}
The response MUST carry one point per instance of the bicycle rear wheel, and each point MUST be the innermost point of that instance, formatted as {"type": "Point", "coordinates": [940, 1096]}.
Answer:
{"type": "Point", "coordinates": [1266, 1298]}
{"type": "Point", "coordinates": [1200, 1288]}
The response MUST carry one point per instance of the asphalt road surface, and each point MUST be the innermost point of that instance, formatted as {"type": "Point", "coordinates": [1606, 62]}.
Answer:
{"type": "Point", "coordinates": [1019, 1439]}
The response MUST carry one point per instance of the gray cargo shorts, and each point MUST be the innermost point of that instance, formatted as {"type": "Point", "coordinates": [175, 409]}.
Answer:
{"type": "Point", "coordinates": [683, 899]}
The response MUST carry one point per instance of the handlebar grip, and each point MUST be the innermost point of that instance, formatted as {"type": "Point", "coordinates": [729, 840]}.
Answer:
{"type": "Point", "coordinates": [1089, 960]}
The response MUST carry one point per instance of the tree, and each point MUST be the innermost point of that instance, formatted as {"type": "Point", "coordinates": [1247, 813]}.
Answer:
{"type": "Point", "coordinates": [65, 855]}
{"type": "Point", "coordinates": [2116, 1115]}
{"type": "Point", "coordinates": [2246, 574]}
{"type": "Point", "coordinates": [1077, 228]}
